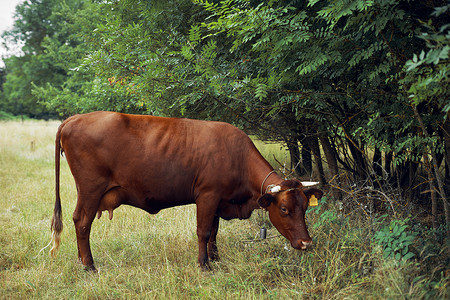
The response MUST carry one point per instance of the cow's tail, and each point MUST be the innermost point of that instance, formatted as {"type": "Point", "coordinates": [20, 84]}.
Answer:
{"type": "Point", "coordinates": [57, 224]}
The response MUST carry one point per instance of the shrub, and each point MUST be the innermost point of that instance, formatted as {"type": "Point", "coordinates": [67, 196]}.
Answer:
{"type": "Point", "coordinates": [395, 240]}
{"type": "Point", "coordinates": [4, 116]}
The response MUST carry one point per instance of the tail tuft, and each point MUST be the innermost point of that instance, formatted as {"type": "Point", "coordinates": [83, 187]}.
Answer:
{"type": "Point", "coordinates": [56, 227]}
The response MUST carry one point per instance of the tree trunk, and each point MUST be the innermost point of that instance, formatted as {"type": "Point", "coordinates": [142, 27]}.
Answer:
{"type": "Point", "coordinates": [376, 163]}
{"type": "Point", "coordinates": [332, 163]}
{"type": "Point", "coordinates": [315, 148]}
{"type": "Point", "coordinates": [294, 152]}
{"type": "Point", "coordinates": [388, 162]}
{"type": "Point", "coordinates": [447, 150]}
{"type": "Point", "coordinates": [360, 164]}
{"type": "Point", "coordinates": [435, 168]}
{"type": "Point", "coordinates": [432, 192]}
{"type": "Point", "coordinates": [406, 173]}
{"type": "Point", "coordinates": [329, 154]}
{"type": "Point", "coordinates": [306, 158]}
{"type": "Point", "coordinates": [410, 184]}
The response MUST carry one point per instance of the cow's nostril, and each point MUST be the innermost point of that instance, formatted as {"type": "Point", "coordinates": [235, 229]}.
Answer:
{"type": "Point", "coordinates": [306, 244]}
{"type": "Point", "coordinates": [301, 244]}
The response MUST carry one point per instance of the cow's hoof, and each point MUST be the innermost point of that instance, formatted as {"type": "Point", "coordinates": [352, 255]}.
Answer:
{"type": "Point", "coordinates": [214, 257]}
{"type": "Point", "coordinates": [91, 269]}
{"type": "Point", "coordinates": [205, 267]}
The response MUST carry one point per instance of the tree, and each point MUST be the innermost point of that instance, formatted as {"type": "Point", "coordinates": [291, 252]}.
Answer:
{"type": "Point", "coordinates": [426, 84]}
{"type": "Point", "coordinates": [50, 46]}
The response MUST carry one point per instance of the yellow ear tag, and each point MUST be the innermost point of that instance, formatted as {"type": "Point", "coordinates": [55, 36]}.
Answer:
{"type": "Point", "coordinates": [313, 201]}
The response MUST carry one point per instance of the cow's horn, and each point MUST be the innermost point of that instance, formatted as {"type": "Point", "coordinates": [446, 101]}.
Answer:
{"type": "Point", "coordinates": [309, 183]}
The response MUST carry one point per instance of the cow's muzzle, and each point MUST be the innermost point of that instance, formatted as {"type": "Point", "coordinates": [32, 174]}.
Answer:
{"type": "Point", "coordinates": [302, 244]}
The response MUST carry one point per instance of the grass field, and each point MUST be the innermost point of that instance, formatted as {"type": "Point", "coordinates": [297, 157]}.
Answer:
{"type": "Point", "coordinates": [154, 256]}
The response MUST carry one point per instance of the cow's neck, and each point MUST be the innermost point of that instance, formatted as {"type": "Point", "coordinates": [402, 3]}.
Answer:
{"type": "Point", "coordinates": [270, 178]}
{"type": "Point", "coordinates": [262, 175]}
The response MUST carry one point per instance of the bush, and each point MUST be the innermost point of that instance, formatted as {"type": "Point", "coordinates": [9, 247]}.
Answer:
{"type": "Point", "coordinates": [395, 240]}
{"type": "Point", "coordinates": [4, 116]}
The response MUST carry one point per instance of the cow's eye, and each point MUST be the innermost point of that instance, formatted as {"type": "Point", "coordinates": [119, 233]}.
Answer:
{"type": "Point", "coordinates": [284, 210]}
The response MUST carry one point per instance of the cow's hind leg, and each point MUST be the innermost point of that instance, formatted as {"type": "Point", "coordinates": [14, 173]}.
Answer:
{"type": "Point", "coordinates": [84, 214]}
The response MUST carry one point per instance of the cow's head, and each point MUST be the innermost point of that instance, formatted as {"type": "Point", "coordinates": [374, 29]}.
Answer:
{"type": "Point", "coordinates": [287, 204]}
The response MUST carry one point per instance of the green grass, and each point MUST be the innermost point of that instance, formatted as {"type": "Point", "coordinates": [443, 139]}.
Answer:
{"type": "Point", "coordinates": [154, 256]}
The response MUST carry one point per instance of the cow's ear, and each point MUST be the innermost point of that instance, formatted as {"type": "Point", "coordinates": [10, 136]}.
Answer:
{"type": "Point", "coordinates": [265, 200]}
{"type": "Point", "coordinates": [313, 191]}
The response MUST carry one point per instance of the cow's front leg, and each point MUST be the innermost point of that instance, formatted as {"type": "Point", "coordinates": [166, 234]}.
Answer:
{"type": "Point", "coordinates": [213, 253]}
{"type": "Point", "coordinates": [206, 209]}
{"type": "Point", "coordinates": [203, 237]}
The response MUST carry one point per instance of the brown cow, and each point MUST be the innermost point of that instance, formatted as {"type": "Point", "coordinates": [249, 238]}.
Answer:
{"type": "Point", "coordinates": [154, 163]}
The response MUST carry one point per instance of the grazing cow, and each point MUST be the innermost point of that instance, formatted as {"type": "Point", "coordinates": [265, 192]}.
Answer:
{"type": "Point", "coordinates": [154, 163]}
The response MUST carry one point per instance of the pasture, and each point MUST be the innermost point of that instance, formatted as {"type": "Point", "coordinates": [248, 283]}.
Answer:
{"type": "Point", "coordinates": [154, 256]}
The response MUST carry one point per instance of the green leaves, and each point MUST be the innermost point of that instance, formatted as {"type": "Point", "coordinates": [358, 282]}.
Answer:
{"type": "Point", "coordinates": [195, 34]}
{"type": "Point", "coordinates": [395, 240]}
{"type": "Point", "coordinates": [335, 11]}
{"type": "Point", "coordinates": [433, 56]}
{"type": "Point", "coordinates": [309, 67]}
{"type": "Point", "coordinates": [261, 91]}
{"type": "Point", "coordinates": [427, 73]}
